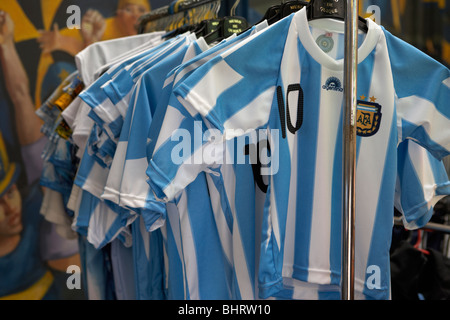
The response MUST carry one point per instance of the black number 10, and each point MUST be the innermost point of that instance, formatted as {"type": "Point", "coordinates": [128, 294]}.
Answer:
{"type": "Point", "coordinates": [299, 122]}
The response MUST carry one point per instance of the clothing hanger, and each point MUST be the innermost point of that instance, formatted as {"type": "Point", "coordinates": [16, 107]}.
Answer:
{"type": "Point", "coordinates": [178, 14]}
{"type": "Point", "coordinates": [207, 26]}
{"type": "Point", "coordinates": [335, 9]}
{"type": "Point", "coordinates": [272, 14]}
{"type": "Point", "coordinates": [228, 26]}
{"type": "Point", "coordinates": [279, 11]}
{"type": "Point", "coordinates": [289, 7]}
{"type": "Point", "coordinates": [198, 20]}
{"type": "Point", "coordinates": [419, 241]}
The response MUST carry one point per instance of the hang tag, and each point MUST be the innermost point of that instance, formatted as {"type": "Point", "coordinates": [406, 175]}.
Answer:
{"type": "Point", "coordinates": [291, 7]}
{"type": "Point", "coordinates": [232, 25]}
{"type": "Point", "coordinates": [212, 25]}
{"type": "Point", "coordinates": [328, 8]}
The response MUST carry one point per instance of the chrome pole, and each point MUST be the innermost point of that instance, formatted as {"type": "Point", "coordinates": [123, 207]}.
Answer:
{"type": "Point", "coordinates": [349, 149]}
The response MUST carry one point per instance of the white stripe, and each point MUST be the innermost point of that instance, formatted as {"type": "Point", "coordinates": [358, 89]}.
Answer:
{"type": "Point", "coordinates": [96, 179]}
{"type": "Point", "coordinates": [123, 105]}
{"type": "Point", "coordinates": [222, 226]}
{"type": "Point", "coordinates": [329, 115]}
{"type": "Point", "coordinates": [145, 237]}
{"type": "Point", "coordinates": [169, 80]}
{"type": "Point", "coordinates": [241, 267]}
{"type": "Point", "coordinates": [289, 242]}
{"type": "Point", "coordinates": [240, 261]}
{"type": "Point", "coordinates": [273, 218]}
{"type": "Point", "coordinates": [173, 119]}
{"type": "Point", "coordinates": [242, 43]}
{"type": "Point", "coordinates": [204, 95]}
{"type": "Point", "coordinates": [419, 158]}
{"type": "Point", "coordinates": [174, 219]}
{"type": "Point", "coordinates": [180, 74]}
{"type": "Point", "coordinates": [112, 186]}
{"type": "Point", "coordinates": [134, 187]}
{"type": "Point", "coordinates": [99, 224]}
{"type": "Point", "coordinates": [370, 166]}
{"type": "Point", "coordinates": [189, 170]}
{"type": "Point", "coordinates": [189, 250]}
{"type": "Point", "coordinates": [291, 73]}
{"type": "Point", "coordinates": [447, 82]}
{"type": "Point", "coordinates": [252, 116]}
{"type": "Point", "coordinates": [423, 112]}
{"type": "Point", "coordinates": [106, 110]}
{"type": "Point", "coordinates": [154, 57]}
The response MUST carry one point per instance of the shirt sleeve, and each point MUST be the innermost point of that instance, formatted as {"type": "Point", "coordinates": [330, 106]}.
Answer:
{"type": "Point", "coordinates": [422, 87]}
{"type": "Point", "coordinates": [421, 182]}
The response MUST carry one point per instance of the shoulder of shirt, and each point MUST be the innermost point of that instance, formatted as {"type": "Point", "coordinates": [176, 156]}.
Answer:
{"type": "Point", "coordinates": [278, 29]}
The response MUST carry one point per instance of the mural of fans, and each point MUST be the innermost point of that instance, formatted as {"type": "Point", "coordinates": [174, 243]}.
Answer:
{"type": "Point", "coordinates": [23, 271]}
{"type": "Point", "coordinates": [95, 27]}
{"type": "Point", "coordinates": [33, 257]}
{"type": "Point", "coordinates": [36, 54]}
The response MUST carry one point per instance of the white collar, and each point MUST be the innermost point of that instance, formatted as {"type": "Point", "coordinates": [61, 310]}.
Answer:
{"type": "Point", "coordinates": [306, 38]}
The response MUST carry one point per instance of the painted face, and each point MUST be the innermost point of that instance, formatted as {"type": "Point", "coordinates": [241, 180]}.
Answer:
{"type": "Point", "coordinates": [128, 16]}
{"type": "Point", "coordinates": [134, 10]}
{"type": "Point", "coordinates": [11, 212]}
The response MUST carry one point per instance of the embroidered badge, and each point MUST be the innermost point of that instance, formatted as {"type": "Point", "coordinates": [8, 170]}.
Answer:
{"type": "Point", "coordinates": [334, 84]}
{"type": "Point", "coordinates": [325, 42]}
{"type": "Point", "coordinates": [368, 117]}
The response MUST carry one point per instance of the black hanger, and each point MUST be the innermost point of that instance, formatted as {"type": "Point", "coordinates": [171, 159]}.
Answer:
{"type": "Point", "coordinates": [280, 11]}
{"type": "Point", "coordinates": [290, 7]}
{"type": "Point", "coordinates": [272, 14]}
{"type": "Point", "coordinates": [227, 26]}
{"type": "Point", "coordinates": [318, 9]}
{"type": "Point", "coordinates": [205, 27]}
{"type": "Point", "coordinates": [179, 30]}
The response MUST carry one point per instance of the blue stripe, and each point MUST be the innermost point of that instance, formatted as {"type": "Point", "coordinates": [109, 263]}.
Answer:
{"type": "Point", "coordinates": [224, 201]}
{"type": "Point", "coordinates": [84, 169]}
{"type": "Point", "coordinates": [139, 125]}
{"type": "Point", "coordinates": [402, 56]}
{"type": "Point", "coordinates": [214, 272]}
{"type": "Point", "coordinates": [419, 134]}
{"type": "Point", "coordinates": [439, 172]}
{"type": "Point", "coordinates": [149, 272]}
{"type": "Point", "coordinates": [337, 209]}
{"type": "Point", "coordinates": [245, 215]}
{"type": "Point", "coordinates": [87, 206]}
{"type": "Point", "coordinates": [265, 68]}
{"type": "Point", "coordinates": [114, 89]}
{"type": "Point", "coordinates": [176, 282]}
{"type": "Point", "coordinates": [186, 145]}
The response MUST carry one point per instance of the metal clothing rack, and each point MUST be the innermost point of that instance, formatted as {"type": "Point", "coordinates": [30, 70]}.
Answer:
{"type": "Point", "coordinates": [349, 126]}
{"type": "Point", "coordinates": [349, 149]}
{"type": "Point", "coordinates": [429, 226]}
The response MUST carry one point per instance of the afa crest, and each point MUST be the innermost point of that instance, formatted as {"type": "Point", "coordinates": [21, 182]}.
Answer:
{"type": "Point", "coordinates": [368, 118]}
